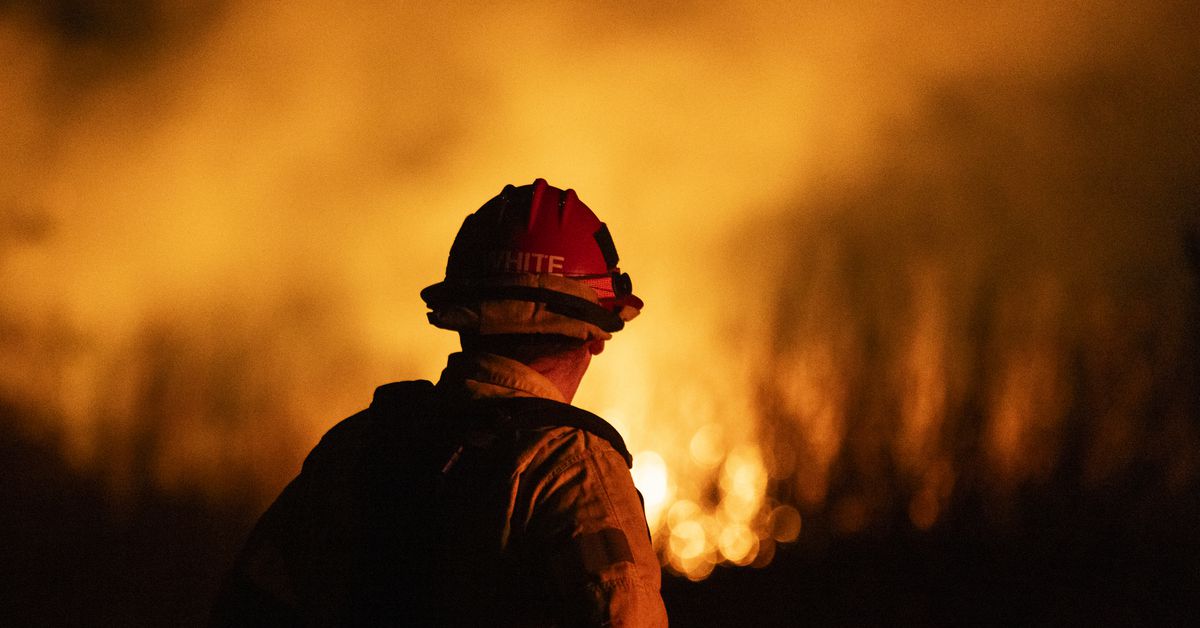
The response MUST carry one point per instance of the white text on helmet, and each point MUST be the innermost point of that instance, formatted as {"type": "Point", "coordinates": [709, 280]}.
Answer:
{"type": "Point", "coordinates": [525, 262]}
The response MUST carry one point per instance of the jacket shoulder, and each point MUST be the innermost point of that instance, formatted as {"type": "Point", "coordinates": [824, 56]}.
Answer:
{"type": "Point", "coordinates": [364, 427]}
{"type": "Point", "coordinates": [402, 393]}
{"type": "Point", "coordinates": [535, 413]}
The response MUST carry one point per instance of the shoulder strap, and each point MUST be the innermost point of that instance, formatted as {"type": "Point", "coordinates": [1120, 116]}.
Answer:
{"type": "Point", "coordinates": [535, 412]}
{"type": "Point", "coordinates": [402, 395]}
{"type": "Point", "coordinates": [517, 412]}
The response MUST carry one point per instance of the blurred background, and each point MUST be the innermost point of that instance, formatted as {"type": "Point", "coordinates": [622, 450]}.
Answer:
{"type": "Point", "coordinates": [922, 283]}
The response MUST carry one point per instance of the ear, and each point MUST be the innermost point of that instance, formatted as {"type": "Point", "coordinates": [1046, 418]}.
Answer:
{"type": "Point", "coordinates": [595, 347]}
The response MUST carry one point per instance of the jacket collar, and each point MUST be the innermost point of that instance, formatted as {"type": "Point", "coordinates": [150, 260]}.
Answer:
{"type": "Point", "coordinates": [479, 375]}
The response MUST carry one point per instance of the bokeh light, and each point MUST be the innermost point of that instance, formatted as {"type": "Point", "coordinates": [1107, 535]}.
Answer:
{"type": "Point", "coordinates": [901, 262]}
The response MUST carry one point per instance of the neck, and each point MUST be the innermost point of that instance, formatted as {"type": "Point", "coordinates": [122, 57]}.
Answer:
{"type": "Point", "coordinates": [564, 371]}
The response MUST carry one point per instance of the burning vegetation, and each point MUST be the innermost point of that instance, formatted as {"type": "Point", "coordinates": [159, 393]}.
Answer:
{"type": "Point", "coordinates": [912, 275]}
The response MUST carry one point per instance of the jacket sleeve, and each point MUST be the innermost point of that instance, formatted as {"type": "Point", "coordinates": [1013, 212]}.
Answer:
{"type": "Point", "coordinates": [293, 569]}
{"type": "Point", "coordinates": [591, 518]}
{"type": "Point", "coordinates": [259, 589]}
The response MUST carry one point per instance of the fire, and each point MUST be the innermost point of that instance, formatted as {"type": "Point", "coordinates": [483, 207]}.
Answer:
{"type": "Point", "coordinates": [214, 232]}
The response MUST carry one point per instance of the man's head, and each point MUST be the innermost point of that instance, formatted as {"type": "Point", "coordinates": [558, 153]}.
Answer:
{"type": "Point", "coordinates": [533, 260]}
{"type": "Point", "coordinates": [533, 276]}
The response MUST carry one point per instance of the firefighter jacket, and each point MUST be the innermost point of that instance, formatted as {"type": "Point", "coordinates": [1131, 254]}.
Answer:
{"type": "Point", "coordinates": [484, 500]}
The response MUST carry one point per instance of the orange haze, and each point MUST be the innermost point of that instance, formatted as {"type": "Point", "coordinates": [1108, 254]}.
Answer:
{"type": "Point", "coordinates": [865, 236]}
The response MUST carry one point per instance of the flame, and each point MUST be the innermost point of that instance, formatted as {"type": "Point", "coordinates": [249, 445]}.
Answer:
{"type": "Point", "coordinates": [216, 221]}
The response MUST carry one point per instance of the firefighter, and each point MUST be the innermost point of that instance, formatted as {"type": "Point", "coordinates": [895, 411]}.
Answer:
{"type": "Point", "coordinates": [485, 499]}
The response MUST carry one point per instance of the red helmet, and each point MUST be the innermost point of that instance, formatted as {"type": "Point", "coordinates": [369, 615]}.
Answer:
{"type": "Point", "coordinates": [541, 246]}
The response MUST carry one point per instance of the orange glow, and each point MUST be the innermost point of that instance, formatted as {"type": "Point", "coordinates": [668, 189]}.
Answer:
{"type": "Point", "coordinates": [785, 524]}
{"type": "Point", "coordinates": [738, 544]}
{"type": "Point", "coordinates": [706, 446]}
{"type": "Point", "coordinates": [865, 235]}
{"type": "Point", "coordinates": [650, 475]}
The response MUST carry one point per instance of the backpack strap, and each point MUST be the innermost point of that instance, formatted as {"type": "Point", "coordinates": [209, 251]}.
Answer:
{"type": "Point", "coordinates": [536, 412]}
{"type": "Point", "coordinates": [401, 395]}
{"type": "Point", "coordinates": [514, 412]}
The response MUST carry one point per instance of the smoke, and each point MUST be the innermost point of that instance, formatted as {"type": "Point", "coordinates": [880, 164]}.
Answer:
{"type": "Point", "coordinates": [874, 241]}
{"type": "Point", "coordinates": [1005, 305]}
